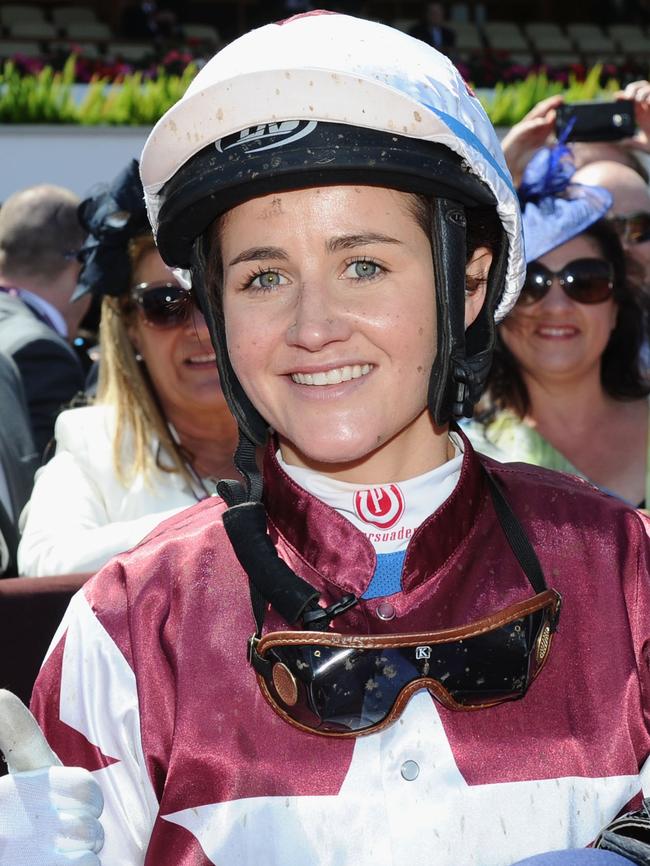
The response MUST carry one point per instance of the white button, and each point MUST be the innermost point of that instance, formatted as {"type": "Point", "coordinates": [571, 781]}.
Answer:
{"type": "Point", "coordinates": [410, 771]}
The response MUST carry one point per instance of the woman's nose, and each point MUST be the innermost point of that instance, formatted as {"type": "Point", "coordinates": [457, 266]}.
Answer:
{"type": "Point", "coordinates": [196, 324]}
{"type": "Point", "coordinates": [316, 320]}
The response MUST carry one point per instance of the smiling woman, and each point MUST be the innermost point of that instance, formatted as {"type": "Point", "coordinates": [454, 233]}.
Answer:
{"type": "Point", "coordinates": [352, 655]}
{"type": "Point", "coordinates": [566, 389]}
{"type": "Point", "coordinates": [333, 334]}
{"type": "Point", "coordinates": [159, 432]}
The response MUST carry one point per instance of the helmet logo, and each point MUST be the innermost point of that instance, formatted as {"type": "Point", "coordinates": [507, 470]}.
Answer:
{"type": "Point", "coordinates": [280, 134]}
{"type": "Point", "coordinates": [380, 506]}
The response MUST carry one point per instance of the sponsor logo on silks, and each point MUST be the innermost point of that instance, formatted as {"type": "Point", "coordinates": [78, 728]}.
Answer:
{"type": "Point", "coordinates": [267, 135]}
{"type": "Point", "coordinates": [380, 506]}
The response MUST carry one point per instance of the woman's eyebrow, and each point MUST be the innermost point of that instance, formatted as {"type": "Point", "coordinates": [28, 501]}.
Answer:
{"type": "Point", "coordinates": [346, 242]}
{"type": "Point", "coordinates": [343, 242]}
{"type": "Point", "coordinates": [255, 254]}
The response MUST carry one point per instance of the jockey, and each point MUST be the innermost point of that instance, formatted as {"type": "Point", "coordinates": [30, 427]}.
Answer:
{"type": "Point", "coordinates": [379, 647]}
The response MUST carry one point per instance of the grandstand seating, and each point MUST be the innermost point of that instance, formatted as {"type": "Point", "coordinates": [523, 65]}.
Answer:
{"type": "Point", "coordinates": [33, 30]}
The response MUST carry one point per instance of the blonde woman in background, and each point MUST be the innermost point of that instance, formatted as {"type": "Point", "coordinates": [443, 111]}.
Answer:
{"type": "Point", "coordinates": [159, 434]}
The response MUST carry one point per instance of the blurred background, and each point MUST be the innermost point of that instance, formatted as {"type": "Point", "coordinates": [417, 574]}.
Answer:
{"type": "Point", "coordinates": [98, 74]}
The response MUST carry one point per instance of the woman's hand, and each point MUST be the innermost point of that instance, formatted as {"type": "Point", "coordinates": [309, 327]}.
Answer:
{"type": "Point", "coordinates": [48, 813]}
{"type": "Point", "coordinates": [639, 92]}
{"type": "Point", "coordinates": [532, 132]}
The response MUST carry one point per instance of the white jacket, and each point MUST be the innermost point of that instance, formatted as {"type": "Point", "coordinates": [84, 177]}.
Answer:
{"type": "Point", "coordinates": [80, 514]}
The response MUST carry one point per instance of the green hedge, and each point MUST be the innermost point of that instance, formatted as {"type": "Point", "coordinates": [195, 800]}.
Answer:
{"type": "Point", "coordinates": [510, 102]}
{"type": "Point", "coordinates": [135, 100]}
{"type": "Point", "coordinates": [47, 97]}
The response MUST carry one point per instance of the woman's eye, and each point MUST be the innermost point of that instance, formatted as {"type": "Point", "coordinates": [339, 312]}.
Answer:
{"type": "Point", "coordinates": [265, 280]}
{"type": "Point", "coordinates": [363, 269]}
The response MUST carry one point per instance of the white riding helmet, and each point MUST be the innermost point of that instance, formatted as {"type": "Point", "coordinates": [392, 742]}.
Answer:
{"type": "Point", "coordinates": [326, 98]}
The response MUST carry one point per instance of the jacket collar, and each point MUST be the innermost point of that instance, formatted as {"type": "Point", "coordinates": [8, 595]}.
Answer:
{"type": "Point", "coordinates": [342, 555]}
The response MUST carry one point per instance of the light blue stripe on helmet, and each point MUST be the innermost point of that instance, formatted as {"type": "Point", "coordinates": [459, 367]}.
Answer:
{"type": "Point", "coordinates": [468, 136]}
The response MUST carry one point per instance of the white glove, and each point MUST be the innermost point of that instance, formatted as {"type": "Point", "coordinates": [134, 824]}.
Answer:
{"type": "Point", "coordinates": [48, 813]}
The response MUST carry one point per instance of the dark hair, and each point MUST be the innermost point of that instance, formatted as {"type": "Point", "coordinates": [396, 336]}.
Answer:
{"type": "Point", "coordinates": [621, 374]}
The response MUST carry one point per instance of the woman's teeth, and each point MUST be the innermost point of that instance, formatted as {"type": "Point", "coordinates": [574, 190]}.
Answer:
{"type": "Point", "coordinates": [210, 357]}
{"type": "Point", "coordinates": [556, 331]}
{"type": "Point", "coordinates": [332, 377]}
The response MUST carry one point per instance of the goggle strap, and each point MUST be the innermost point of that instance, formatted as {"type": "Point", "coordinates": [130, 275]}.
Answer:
{"type": "Point", "coordinates": [263, 666]}
{"type": "Point", "coordinates": [268, 575]}
{"type": "Point", "coordinates": [516, 537]}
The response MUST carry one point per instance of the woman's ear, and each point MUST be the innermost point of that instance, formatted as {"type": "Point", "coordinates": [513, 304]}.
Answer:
{"type": "Point", "coordinates": [477, 273]}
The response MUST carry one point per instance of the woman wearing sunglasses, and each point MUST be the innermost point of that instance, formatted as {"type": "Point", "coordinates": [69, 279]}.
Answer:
{"type": "Point", "coordinates": [359, 654]}
{"type": "Point", "coordinates": [567, 388]}
{"type": "Point", "coordinates": [159, 432]}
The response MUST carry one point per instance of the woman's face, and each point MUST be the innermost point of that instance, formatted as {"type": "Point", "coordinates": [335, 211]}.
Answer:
{"type": "Point", "coordinates": [180, 360]}
{"type": "Point", "coordinates": [330, 320]}
{"type": "Point", "coordinates": [557, 339]}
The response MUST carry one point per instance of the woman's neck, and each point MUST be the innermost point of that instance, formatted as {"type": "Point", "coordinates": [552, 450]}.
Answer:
{"type": "Point", "coordinates": [574, 404]}
{"type": "Point", "coordinates": [210, 438]}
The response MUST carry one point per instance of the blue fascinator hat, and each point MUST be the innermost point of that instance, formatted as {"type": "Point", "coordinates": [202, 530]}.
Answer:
{"type": "Point", "coordinates": [112, 216]}
{"type": "Point", "coordinates": [554, 210]}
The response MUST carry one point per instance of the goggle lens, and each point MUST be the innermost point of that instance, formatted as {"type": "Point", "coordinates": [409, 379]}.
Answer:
{"type": "Point", "coordinates": [587, 281]}
{"type": "Point", "coordinates": [163, 305]}
{"type": "Point", "coordinates": [331, 688]}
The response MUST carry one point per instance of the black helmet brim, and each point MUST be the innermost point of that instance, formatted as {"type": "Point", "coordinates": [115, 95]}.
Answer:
{"type": "Point", "coordinates": [299, 154]}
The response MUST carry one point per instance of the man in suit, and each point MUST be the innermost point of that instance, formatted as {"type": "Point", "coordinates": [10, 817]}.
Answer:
{"type": "Point", "coordinates": [40, 236]}
{"type": "Point", "coordinates": [432, 29]}
{"type": "Point", "coordinates": [18, 461]}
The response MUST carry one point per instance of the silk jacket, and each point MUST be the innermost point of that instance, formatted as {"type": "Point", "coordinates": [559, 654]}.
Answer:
{"type": "Point", "coordinates": [148, 684]}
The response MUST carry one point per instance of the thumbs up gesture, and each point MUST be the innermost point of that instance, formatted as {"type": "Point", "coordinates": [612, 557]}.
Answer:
{"type": "Point", "coordinates": [49, 814]}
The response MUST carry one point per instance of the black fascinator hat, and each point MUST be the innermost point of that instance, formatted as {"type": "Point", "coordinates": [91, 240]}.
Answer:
{"type": "Point", "coordinates": [112, 217]}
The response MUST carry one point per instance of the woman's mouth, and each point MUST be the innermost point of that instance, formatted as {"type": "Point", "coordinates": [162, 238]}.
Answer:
{"type": "Point", "coordinates": [201, 360]}
{"type": "Point", "coordinates": [334, 376]}
{"type": "Point", "coordinates": [556, 332]}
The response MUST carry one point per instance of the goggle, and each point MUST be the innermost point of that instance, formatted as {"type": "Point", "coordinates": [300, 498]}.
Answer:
{"type": "Point", "coordinates": [345, 686]}
{"type": "Point", "coordinates": [632, 229]}
{"type": "Point", "coordinates": [587, 281]}
{"type": "Point", "coordinates": [163, 305]}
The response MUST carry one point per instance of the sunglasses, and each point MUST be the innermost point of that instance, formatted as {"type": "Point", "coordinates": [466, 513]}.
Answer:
{"type": "Point", "coordinates": [587, 281]}
{"type": "Point", "coordinates": [163, 305]}
{"type": "Point", "coordinates": [345, 686]}
{"type": "Point", "coordinates": [632, 229]}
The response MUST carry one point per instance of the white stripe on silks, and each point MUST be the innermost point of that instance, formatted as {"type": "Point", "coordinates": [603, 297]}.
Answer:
{"type": "Point", "coordinates": [378, 817]}
{"type": "Point", "coordinates": [99, 699]}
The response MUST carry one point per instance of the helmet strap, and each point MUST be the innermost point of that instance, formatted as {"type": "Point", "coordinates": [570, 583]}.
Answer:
{"type": "Point", "coordinates": [463, 358]}
{"type": "Point", "coordinates": [450, 373]}
{"type": "Point", "coordinates": [248, 418]}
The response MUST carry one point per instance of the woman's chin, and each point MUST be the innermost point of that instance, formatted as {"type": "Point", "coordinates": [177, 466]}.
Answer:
{"type": "Point", "coordinates": [324, 453]}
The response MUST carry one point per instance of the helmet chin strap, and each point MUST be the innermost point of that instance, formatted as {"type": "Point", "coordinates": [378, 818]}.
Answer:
{"type": "Point", "coordinates": [463, 358]}
{"type": "Point", "coordinates": [449, 372]}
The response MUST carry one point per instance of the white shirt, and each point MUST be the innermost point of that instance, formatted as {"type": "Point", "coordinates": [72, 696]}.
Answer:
{"type": "Point", "coordinates": [387, 514]}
